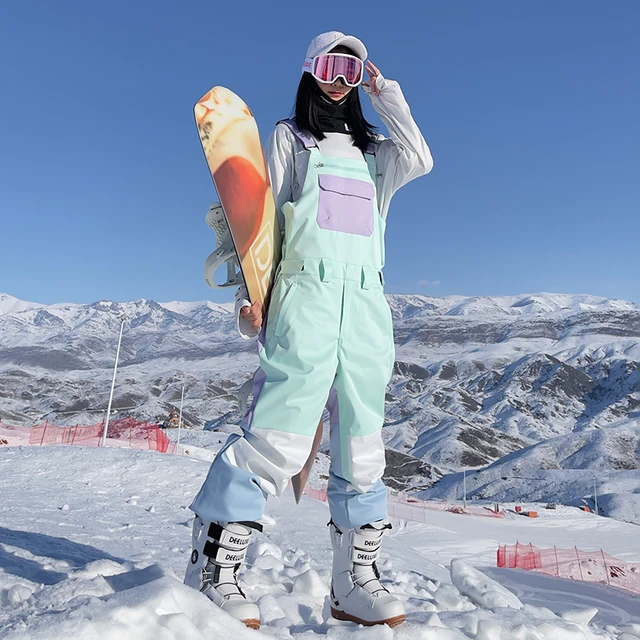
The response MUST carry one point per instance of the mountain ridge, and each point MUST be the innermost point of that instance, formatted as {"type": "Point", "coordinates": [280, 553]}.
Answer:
{"type": "Point", "coordinates": [475, 379]}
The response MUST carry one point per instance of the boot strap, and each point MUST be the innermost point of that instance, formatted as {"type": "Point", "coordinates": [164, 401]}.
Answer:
{"type": "Point", "coordinates": [365, 549]}
{"type": "Point", "coordinates": [358, 556]}
{"type": "Point", "coordinates": [227, 538]}
{"type": "Point", "coordinates": [217, 554]}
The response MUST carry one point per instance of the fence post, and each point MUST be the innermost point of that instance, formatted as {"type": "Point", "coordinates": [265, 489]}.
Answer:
{"type": "Point", "coordinates": [533, 556]}
{"type": "Point", "coordinates": [606, 569]}
{"type": "Point", "coordinates": [555, 550]}
{"type": "Point", "coordinates": [579, 564]}
{"type": "Point", "coordinates": [44, 433]}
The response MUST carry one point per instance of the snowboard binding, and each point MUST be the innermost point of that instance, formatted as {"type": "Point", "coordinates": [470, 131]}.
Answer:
{"type": "Point", "coordinates": [225, 251]}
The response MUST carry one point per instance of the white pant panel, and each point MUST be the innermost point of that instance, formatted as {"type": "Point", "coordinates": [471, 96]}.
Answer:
{"type": "Point", "coordinates": [366, 460]}
{"type": "Point", "coordinates": [273, 456]}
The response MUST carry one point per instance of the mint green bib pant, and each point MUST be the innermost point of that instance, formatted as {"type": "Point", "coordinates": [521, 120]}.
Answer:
{"type": "Point", "coordinates": [327, 340]}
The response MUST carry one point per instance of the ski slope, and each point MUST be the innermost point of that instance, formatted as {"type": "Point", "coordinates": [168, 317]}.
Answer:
{"type": "Point", "coordinates": [94, 542]}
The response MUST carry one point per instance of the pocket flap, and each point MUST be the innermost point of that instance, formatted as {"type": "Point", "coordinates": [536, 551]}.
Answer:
{"type": "Point", "coordinates": [346, 186]}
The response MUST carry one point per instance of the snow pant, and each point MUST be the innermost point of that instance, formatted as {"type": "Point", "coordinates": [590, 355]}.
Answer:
{"type": "Point", "coordinates": [330, 343]}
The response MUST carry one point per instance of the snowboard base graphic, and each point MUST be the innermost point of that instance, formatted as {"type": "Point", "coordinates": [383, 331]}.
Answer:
{"type": "Point", "coordinates": [231, 144]}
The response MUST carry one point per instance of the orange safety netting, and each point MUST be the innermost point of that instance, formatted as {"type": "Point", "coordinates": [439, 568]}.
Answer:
{"type": "Point", "coordinates": [124, 432]}
{"type": "Point", "coordinates": [588, 566]}
{"type": "Point", "coordinates": [407, 507]}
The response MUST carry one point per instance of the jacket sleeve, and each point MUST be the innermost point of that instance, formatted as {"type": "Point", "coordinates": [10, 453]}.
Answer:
{"type": "Point", "coordinates": [280, 153]}
{"type": "Point", "coordinates": [405, 154]}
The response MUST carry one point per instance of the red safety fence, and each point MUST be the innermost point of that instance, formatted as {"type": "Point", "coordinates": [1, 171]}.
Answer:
{"type": "Point", "coordinates": [588, 566]}
{"type": "Point", "coordinates": [124, 432]}
{"type": "Point", "coordinates": [407, 507]}
{"type": "Point", "coordinates": [317, 494]}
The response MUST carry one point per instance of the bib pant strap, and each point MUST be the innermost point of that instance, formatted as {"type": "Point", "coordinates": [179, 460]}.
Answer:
{"type": "Point", "coordinates": [305, 139]}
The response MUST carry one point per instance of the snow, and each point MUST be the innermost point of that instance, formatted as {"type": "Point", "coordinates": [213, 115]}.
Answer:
{"type": "Point", "coordinates": [94, 542]}
{"type": "Point", "coordinates": [482, 590]}
{"type": "Point", "coordinates": [185, 308]}
{"type": "Point", "coordinates": [507, 306]}
{"type": "Point", "coordinates": [9, 304]}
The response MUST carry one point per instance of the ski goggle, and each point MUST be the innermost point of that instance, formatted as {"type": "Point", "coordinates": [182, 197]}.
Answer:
{"type": "Point", "coordinates": [329, 67]}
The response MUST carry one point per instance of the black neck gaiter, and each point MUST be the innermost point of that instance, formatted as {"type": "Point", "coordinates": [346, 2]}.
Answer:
{"type": "Point", "coordinates": [332, 116]}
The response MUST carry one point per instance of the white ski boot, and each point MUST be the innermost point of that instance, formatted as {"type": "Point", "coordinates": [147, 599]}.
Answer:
{"type": "Point", "coordinates": [219, 549]}
{"type": "Point", "coordinates": [356, 591]}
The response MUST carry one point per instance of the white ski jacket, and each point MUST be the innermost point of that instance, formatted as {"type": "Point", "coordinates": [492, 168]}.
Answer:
{"type": "Point", "coordinates": [399, 159]}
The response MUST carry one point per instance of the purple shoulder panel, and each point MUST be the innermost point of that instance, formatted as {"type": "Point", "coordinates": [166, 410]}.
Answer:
{"type": "Point", "coordinates": [307, 141]}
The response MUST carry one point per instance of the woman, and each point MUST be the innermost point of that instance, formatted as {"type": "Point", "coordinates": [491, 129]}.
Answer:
{"type": "Point", "coordinates": [328, 338]}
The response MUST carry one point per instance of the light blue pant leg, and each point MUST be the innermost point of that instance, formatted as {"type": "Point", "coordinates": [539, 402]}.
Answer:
{"type": "Point", "coordinates": [223, 480]}
{"type": "Point", "coordinates": [349, 508]}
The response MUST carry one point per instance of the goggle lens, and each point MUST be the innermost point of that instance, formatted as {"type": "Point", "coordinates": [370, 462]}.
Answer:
{"type": "Point", "coordinates": [331, 66]}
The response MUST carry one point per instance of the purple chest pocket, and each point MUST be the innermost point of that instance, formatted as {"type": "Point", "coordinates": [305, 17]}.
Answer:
{"type": "Point", "coordinates": [345, 205]}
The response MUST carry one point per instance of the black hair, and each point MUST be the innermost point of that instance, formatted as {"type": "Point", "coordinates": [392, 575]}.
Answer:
{"type": "Point", "coordinates": [362, 132]}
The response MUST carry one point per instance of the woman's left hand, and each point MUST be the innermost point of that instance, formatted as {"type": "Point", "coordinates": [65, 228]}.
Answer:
{"type": "Point", "coordinates": [373, 72]}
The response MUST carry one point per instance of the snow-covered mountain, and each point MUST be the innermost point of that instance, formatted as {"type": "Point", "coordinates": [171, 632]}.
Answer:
{"type": "Point", "coordinates": [595, 465]}
{"type": "Point", "coordinates": [475, 379]}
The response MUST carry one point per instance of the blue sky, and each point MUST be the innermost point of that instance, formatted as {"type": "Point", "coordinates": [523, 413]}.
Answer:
{"type": "Point", "coordinates": [530, 109]}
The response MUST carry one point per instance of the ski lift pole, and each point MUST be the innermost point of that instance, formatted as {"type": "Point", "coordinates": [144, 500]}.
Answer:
{"type": "Point", "coordinates": [595, 494]}
{"type": "Point", "coordinates": [464, 488]}
{"type": "Point", "coordinates": [180, 421]}
{"type": "Point", "coordinates": [113, 383]}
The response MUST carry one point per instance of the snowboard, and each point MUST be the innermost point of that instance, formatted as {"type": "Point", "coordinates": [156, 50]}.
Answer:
{"type": "Point", "coordinates": [231, 144]}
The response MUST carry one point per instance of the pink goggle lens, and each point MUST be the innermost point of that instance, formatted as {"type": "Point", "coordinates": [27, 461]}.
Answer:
{"type": "Point", "coordinates": [329, 67]}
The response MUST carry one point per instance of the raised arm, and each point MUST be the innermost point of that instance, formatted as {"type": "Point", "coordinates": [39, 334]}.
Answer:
{"type": "Point", "coordinates": [404, 155]}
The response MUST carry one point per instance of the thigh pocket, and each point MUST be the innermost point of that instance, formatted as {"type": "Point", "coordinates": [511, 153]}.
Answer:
{"type": "Point", "coordinates": [345, 205]}
{"type": "Point", "coordinates": [283, 310]}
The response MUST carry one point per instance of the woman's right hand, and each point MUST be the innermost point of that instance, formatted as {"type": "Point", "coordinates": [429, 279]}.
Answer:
{"type": "Point", "coordinates": [373, 73]}
{"type": "Point", "coordinates": [253, 315]}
